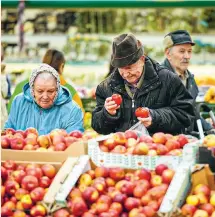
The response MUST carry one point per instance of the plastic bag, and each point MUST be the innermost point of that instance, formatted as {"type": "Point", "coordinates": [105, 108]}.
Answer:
{"type": "Point", "coordinates": [139, 128]}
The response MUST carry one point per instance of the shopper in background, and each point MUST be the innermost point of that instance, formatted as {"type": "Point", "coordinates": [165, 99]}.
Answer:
{"type": "Point", "coordinates": [178, 51]}
{"type": "Point", "coordinates": [141, 82]}
{"type": "Point", "coordinates": [4, 94]}
{"type": "Point", "coordinates": [45, 105]}
{"type": "Point", "coordinates": [55, 59]}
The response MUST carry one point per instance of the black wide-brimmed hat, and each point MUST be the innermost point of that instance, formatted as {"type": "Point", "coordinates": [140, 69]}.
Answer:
{"type": "Point", "coordinates": [126, 50]}
{"type": "Point", "coordinates": [177, 37]}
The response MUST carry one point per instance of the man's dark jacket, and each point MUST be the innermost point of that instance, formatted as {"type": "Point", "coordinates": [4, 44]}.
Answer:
{"type": "Point", "coordinates": [162, 92]}
{"type": "Point", "coordinates": [193, 90]}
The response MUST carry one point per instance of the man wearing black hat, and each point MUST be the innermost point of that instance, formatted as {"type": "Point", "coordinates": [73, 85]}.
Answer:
{"type": "Point", "coordinates": [178, 51]}
{"type": "Point", "coordinates": [141, 82]}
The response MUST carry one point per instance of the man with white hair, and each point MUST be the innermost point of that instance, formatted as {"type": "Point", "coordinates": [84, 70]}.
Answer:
{"type": "Point", "coordinates": [178, 51]}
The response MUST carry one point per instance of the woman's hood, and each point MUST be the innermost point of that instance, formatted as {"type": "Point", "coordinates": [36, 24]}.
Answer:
{"type": "Point", "coordinates": [63, 96]}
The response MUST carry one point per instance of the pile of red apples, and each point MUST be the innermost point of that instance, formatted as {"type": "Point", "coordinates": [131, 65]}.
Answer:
{"type": "Point", "coordinates": [23, 188]}
{"type": "Point", "coordinates": [200, 203]}
{"type": "Point", "coordinates": [56, 140]}
{"type": "Point", "coordinates": [115, 192]}
{"type": "Point", "coordinates": [158, 144]}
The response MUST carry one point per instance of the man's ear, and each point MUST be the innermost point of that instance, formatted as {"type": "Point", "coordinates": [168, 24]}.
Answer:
{"type": "Point", "coordinates": [143, 58]}
{"type": "Point", "coordinates": [167, 53]}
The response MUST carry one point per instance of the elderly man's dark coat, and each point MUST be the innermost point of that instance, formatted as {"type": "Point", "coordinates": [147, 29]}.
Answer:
{"type": "Point", "coordinates": [162, 92]}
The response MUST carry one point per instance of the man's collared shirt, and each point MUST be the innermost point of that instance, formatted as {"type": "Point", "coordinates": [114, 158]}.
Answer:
{"type": "Point", "coordinates": [132, 88]}
{"type": "Point", "coordinates": [183, 77]}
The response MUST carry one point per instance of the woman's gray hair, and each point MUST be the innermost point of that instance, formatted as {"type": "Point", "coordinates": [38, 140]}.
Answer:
{"type": "Point", "coordinates": [44, 68]}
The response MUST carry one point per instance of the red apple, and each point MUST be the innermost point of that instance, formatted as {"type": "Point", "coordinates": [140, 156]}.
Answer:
{"type": "Point", "coordinates": [117, 207]}
{"type": "Point", "coordinates": [208, 208]}
{"type": "Point", "coordinates": [9, 165]}
{"type": "Point", "coordinates": [90, 194]}
{"type": "Point", "coordinates": [131, 142]}
{"type": "Point", "coordinates": [117, 98]}
{"type": "Point", "coordinates": [159, 138]}
{"type": "Point", "coordinates": [146, 139]}
{"type": "Point", "coordinates": [78, 206]}
{"type": "Point", "coordinates": [139, 191]}
{"type": "Point", "coordinates": [142, 112]}
{"type": "Point", "coordinates": [200, 213]}
{"type": "Point", "coordinates": [131, 134]}
{"type": "Point", "coordinates": [182, 139]}
{"type": "Point", "coordinates": [37, 194]}
{"type": "Point", "coordinates": [172, 144]}
{"type": "Point", "coordinates": [76, 133]}
{"type": "Point", "coordinates": [160, 168]}
{"type": "Point", "coordinates": [162, 150]}
{"type": "Point", "coordinates": [57, 139]}
{"type": "Point", "coordinates": [119, 149]}
{"type": "Point", "coordinates": [18, 175]}
{"type": "Point", "coordinates": [202, 189]}
{"type": "Point", "coordinates": [11, 187]}
{"type": "Point", "coordinates": [19, 213]}
{"type": "Point", "coordinates": [20, 193]}
{"type": "Point", "coordinates": [168, 175]}
{"type": "Point", "coordinates": [141, 149]}
{"type": "Point", "coordinates": [131, 203]}
{"type": "Point", "coordinates": [119, 138]}
{"type": "Point", "coordinates": [109, 143]}
{"type": "Point", "coordinates": [4, 173]}
{"type": "Point", "coordinates": [148, 211]}
{"type": "Point", "coordinates": [5, 211]}
{"type": "Point", "coordinates": [31, 130]}
{"type": "Point", "coordinates": [9, 131]}
{"type": "Point", "coordinates": [70, 140]}
{"type": "Point", "coordinates": [143, 174]}
{"type": "Point", "coordinates": [101, 172]}
{"type": "Point", "coordinates": [5, 143]}
{"type": "Point", "coordinates": [103, 148]}
{"type": "Point", "coordinates": [60, 146]}
{"type": "Point", "coordinates": [49, 170]}
{"type": "Point", "coordinates": [156, 180]}
{"type": "Point", "coordinates": [145, 199]}
{"type": "Point", "coordinates": [43, 141]}
{"type": "Point", "coordinates": [61, 213]}
{"type": "Point", "coordinates": [26, 201]}
{"type": "Point", "coordinates": [119, 197]}
{"type": "Point", "coordinates": [29, 182]}
{"type": "Point", "coordinates": [37, 172]}
{"type": "Point", "coordinates": [38, 210]}
{"type": "Point", "coordinates": [116, 173]}
{"type": "Point", "coordinates": [31, 139]}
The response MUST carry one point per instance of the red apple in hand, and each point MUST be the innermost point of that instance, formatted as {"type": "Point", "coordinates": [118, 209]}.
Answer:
{"type": "Point", "coordinates": [117, 99]}
{"type": "Point", "coordinates": [142, 112]}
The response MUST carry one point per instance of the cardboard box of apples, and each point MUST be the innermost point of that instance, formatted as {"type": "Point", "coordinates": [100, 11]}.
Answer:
{"type": "Point", "coordinates": [115, 192]}
{"type": "Point", "coordinates": [30, 143]}
{"type": "Point", "coordinates": [23, 187]}
{"type": "Point", "coordinates": [128, 149]}
{"type": "Point", "coordinates": [200, 199]}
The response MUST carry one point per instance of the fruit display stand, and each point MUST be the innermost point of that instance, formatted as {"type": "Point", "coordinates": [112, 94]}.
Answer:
{"type": "Point", "coordinates": [100, 158]}
{"type": "Point", "coordinates": [68, 200]}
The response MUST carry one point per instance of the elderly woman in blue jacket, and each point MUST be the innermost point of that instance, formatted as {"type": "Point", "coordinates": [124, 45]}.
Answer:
{"type": "Point", "coordinates": [45, 105]}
